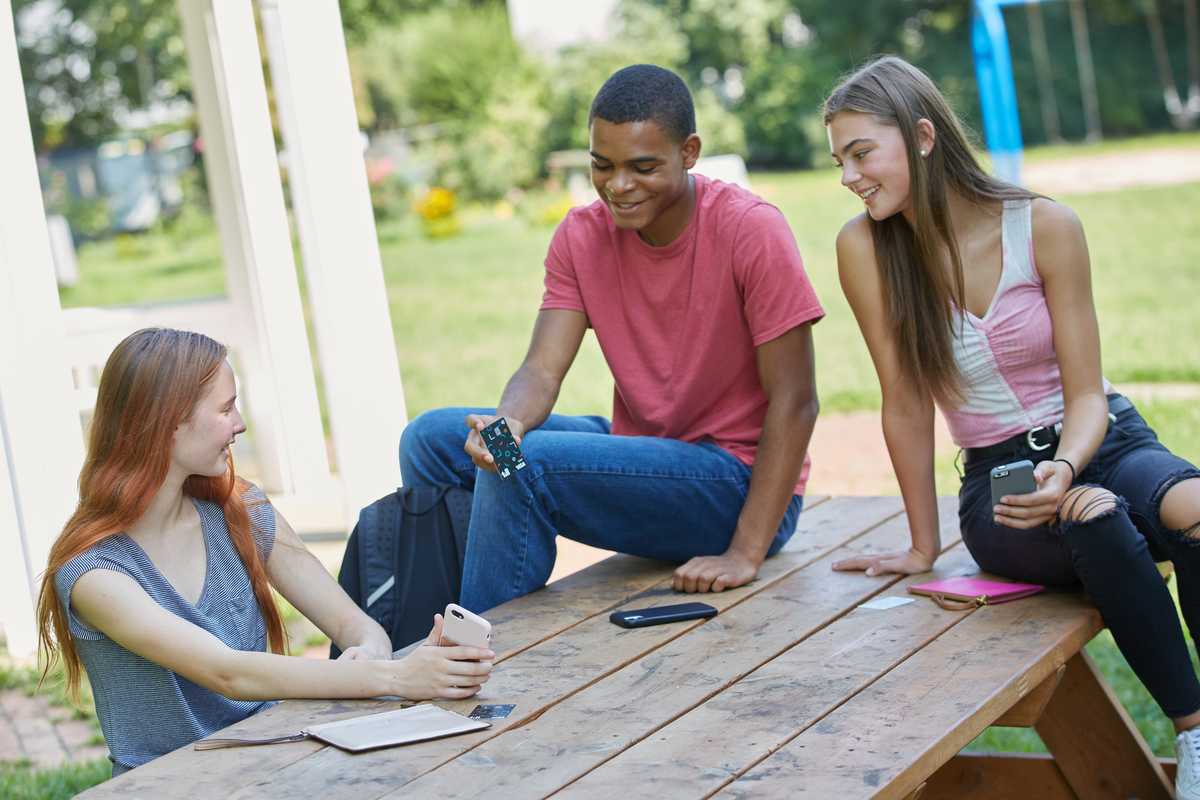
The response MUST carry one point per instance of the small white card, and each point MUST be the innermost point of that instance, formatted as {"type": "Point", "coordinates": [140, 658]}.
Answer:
{"type": "Point", "coordinates": [884, 603]}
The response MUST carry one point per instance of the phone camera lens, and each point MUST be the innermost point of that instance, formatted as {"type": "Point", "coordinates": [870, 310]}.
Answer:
{"type": "Point", "coordinates": [1002, 473]}
{"type": "Point", "coordinates": [457, 614]}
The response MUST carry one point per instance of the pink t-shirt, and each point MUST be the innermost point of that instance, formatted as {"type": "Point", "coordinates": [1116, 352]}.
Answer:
{"type": "Point", "coordinates": [679, 324]}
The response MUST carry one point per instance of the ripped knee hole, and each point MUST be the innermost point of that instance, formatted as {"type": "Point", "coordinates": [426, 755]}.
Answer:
{"type": "Point", "coordinates": [1086, 503]}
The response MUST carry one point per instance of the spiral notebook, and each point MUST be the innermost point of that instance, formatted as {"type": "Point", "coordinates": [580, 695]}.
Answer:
{"type": "Point", "coordinates": [372, 731]}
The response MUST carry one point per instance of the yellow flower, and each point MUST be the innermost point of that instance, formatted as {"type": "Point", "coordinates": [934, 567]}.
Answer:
{"type": "Point", "coordinates": [436, 204]}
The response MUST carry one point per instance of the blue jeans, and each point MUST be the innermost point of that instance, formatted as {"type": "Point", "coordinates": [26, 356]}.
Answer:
{"type": "Point", "coordinates": [642, 495]}
{"type": "Point", "coordinates": [1112, 556]}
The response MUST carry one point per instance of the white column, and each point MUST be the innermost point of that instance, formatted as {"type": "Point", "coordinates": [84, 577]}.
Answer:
{"type": "Point", "coordinates": [327, 176]}
{"type": "Point", "coordinates": [244, 182]}
{"type": "Point", "coordinates": [41, 449]}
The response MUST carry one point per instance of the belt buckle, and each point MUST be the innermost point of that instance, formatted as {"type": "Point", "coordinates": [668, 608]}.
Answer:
{"type": "Point", "coordinates": [1030, 439]}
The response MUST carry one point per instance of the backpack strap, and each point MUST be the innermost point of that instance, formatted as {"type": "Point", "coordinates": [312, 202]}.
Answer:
{"type": "Point", "coordinates": [458, 506]}
{"type": "Point", "coordinates": [376, 559]}
{"type": "Point", "coordinates": [417, 501]}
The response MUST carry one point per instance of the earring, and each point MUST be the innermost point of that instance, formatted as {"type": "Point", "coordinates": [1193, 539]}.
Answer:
{"type": "Point", "coordinates": [923, 154]}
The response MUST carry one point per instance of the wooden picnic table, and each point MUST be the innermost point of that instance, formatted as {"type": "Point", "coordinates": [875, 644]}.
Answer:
{"type": "Point", "coordinates": [793, 690]}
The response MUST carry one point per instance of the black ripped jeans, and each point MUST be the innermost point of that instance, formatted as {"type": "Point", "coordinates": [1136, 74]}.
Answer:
{"type": "Point", "coordinates": [1112, 555]}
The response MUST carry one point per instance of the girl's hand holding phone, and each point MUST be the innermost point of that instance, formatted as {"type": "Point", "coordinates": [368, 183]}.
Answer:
{"type": "Point", "coordinates": [449, 672]}
{"type": "Point", "coordinates": [1024, 511]}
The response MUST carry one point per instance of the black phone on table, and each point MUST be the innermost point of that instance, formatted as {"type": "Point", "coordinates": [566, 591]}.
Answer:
{"type": "Point", "coordinates": [642, 617]}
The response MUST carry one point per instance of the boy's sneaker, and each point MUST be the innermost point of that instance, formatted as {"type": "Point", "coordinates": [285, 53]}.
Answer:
{"type": "Point", "coordinates": [1187, 778]}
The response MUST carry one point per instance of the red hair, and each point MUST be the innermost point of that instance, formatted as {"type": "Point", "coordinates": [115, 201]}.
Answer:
{"type": "Point", "coordinates": [150, 385]}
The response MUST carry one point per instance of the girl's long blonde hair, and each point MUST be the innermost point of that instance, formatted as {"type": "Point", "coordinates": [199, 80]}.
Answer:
{"type": "Point", "coordinates": [924, 302]}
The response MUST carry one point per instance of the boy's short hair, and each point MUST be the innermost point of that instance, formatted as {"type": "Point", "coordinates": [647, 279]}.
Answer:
{"type": "Point", "coordinates": [646, 92]}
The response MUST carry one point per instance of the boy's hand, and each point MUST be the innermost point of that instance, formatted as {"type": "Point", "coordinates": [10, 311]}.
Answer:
{"type": "Point", "coordinates": [715, 573]}
{"type": "Point", "coordinates": [475, 447]}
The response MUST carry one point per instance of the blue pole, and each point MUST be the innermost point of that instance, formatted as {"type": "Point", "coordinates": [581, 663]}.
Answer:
{"type": "Point", "coordinates": [997, 90]}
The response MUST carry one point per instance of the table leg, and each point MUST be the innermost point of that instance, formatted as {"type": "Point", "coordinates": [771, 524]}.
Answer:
{"type": "Point", "coordinates": [1097, 748]}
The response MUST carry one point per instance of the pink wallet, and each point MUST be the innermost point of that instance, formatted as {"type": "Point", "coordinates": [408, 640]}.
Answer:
{"type": "Point", "coordinates": [972, 591]}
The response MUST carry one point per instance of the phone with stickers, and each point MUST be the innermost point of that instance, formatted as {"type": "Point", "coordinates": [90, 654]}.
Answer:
{"type": "Point", "coordinates": [460, 626]}
{"type": "Point", "coordinates": [499, 441]}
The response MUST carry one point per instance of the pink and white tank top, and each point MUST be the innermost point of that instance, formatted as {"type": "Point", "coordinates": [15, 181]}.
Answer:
{"type": "Point", "coordinates": [1006, 357]}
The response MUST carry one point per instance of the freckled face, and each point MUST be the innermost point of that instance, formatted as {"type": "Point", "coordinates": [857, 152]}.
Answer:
{"type": "Point", "coordinates": [873, 161]}
{"type": "Point", "coordinates": [640, 173]}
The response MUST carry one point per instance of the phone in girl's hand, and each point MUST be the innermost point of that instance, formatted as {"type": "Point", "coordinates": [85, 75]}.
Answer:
{"type": "Point", "coordinates": [460, 626]}
{"type": "Point", "coordinates": [1012, 479]}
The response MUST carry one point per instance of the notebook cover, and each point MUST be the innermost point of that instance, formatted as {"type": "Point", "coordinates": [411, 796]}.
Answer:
{"type": "Point", "coordinates": [969, 588]}
{"type": "Point", "coordinates": [402, 726]}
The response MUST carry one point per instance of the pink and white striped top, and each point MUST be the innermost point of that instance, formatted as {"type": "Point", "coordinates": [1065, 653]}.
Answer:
{"type": "Point", "coordinates": [1007, 358]}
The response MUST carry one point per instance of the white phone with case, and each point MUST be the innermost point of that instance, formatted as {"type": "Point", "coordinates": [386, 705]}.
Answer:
{"type": "Point", "coordinates": [462, 627]}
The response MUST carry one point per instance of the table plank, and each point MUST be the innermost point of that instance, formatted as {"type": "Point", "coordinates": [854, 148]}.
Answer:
{"type": "Point", "coordinates": [889, 738]}
{"type": "Point", "coordinates": [594, 725]}
{"type": "Point", "coordinates": [702, 750]}
{"type": "Point", "coordinates": [533, 679]}
{"type": "Point", "coordinates": [519, 624]}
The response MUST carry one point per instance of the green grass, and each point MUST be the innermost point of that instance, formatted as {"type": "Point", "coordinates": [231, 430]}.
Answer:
{"type": "Point", "coordinates": [23, 781]}
{"type": "Point", "coordinates": [20, 780]}
{"type": "Point", "coordinates": [148, 268]}
{"type": "Point", "coordinates": [1051, 152]}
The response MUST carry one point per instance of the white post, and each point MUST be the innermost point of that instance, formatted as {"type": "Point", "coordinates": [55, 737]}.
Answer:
{"type": "Point", "coordinates": [327, 177]}
{"type": "Point", "coordinates": [41, 450]}
{"type": "Point", "coordinates": [242, 168]}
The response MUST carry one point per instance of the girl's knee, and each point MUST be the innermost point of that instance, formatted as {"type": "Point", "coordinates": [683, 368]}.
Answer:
{"type": "Point", "coordinates": [1086, 503]}
{"type": "Point", "coordinates": [1180, 508]}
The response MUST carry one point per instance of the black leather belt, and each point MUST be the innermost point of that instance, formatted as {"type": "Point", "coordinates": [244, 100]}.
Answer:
{"type": "Point", "coordinates": [1037, 439]}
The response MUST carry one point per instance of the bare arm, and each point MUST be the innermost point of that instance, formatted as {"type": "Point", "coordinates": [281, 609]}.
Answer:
{"type": "Point", "coordinates": [785, 367]}
{"type": "Point", "coordinates": [907, 413]}
{"type": "Point", "coordinates": [533, 389]}
{"type": "Point", "coordinates": [304, 583]}
{"type": "Point", "coordinates": [1062, 259]}
{"type": "Point", "coordinates": [116, 605]}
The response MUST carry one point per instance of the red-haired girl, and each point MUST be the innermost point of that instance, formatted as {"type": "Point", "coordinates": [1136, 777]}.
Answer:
{"type": "Point", "coordinates": [160, 583]}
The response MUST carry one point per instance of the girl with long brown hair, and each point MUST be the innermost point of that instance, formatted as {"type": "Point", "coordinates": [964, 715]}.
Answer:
{"type": "Point", "coordinates": [160, 583]}
{"type": "Point", "coordinates": [975, 295]}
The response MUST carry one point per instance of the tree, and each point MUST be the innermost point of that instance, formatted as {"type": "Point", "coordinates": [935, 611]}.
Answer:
{"type": "Point", "coordinates": [1183, 113]}
{"type": "Point", "coordinates": [86, 64]}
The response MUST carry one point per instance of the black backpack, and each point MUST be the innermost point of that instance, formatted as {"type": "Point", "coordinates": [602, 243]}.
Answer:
{"type": "Point", "coordinates": [403, 561]}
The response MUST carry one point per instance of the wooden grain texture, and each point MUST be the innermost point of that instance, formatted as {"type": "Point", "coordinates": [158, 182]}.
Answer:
{"type": "Point", "coordinates": [1112, 759]}
{"type": "Point", "coordinates": [1029, 708]}
{"type": "Point", "coordinates": [576, 735]}
{"type": "Point", "coordinates": [533, 679]}
{"type": "Point", "coordinates": [186, 772]}
{"type": "Point", "coordinates": [886, 740]}
{"type": "Point", "coordinates": [992, 776]}
{"type": "Point", "coordinates": [518, 625]}
{"type": "Point", "coordinates": [701, 750]}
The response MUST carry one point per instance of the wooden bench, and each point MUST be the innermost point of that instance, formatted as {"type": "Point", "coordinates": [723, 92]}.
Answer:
{"type": "Point", "coordinates": [793, 690]}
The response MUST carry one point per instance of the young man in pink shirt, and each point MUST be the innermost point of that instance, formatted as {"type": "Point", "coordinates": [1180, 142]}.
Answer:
{"type": "Point", "coordinates": [700, 303]}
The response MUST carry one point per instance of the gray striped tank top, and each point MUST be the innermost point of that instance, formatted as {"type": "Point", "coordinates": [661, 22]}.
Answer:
{"type": "Point", "coordinates": [146, 710]}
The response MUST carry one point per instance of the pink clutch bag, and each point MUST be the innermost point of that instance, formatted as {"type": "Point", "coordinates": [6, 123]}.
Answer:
{"type": "Point", "coordinates": [965, 592]}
